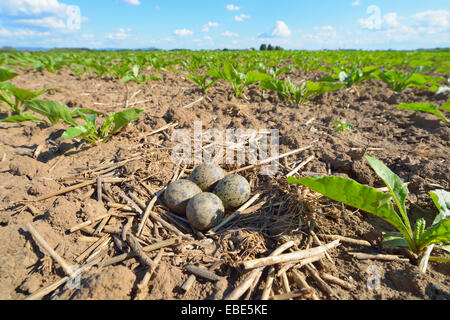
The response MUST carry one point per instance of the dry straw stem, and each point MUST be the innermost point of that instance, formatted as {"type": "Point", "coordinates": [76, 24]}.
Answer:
{"type": "Point", "coordinates": [167, 126]}
{"type": "Point", "coordinates": [152, 247]}
{"type": "Point", "coordinates": [45, 291]}
{"type": "Point", "coordinates": [111, 166]}
{"type": "Point", "coordinates": [99, 189]}
{"type": "Point", "coordinates": [346, 240]}
{"type": "Point", "coordinates": [318, 242]}
{"type": "Point", "coordinates": [90, 249]}
{"type": "Point", "coordinates": [168, 226]}
{"type": "Point", "coordinates": [141, 292]}
{"type": "Point", "coordinates": [67, 269]}
{"type": "Point", "coordinates": [192, 103]}
{"type": "Point", "coordinates": [78, 186]}
{"type": "Point", "coordinates": [206, 274]}
{"type": "Point", "coordinates": [291, 295]}
{"type": "Point", "coordinates": [300, 280]}
{"type": "Point", "coordinates": [289, 257]}
{"type": "Point", "coordinates": [88, 222]}
{"type": "Point", "coordinates": [285, 281]}
{"type": "Point", "coordinates": [138, 251]}
{"type": "Point", "coordinates": [251, 276]}
{"type": "Point", "coordinates": [236, 213]}
{"type": "Point", "coordinates": [132, 204]}
{"type": "Point", "coordinates": [301, 165]}
{"type": "Point", "coordinates": [148, 211]}
{"type": "Point", "coordinates": [188, 283]}
{"type": "Point", "coordinates": [268, 286]}
{"type": "Point", "coordinates": [344, 284]}
{"type": "Point", "coordinates": [377, 256]}
{"type": "Point", "coordinates": [138, 201]}
{"type": "Point", "coordinates": [322, 284]}
{"type": "Point", "coordinates": [268, 160]}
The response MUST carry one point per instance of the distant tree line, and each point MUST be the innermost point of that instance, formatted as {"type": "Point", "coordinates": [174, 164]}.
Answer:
{"type": "Point", "coordinates": [269, 47]}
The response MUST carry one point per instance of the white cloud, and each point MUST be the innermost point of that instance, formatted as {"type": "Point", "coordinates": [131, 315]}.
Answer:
{"type": "Point", "coordinates": [241, 17]}
{"type": "Point", "coordinates": [232, 7]}
{"type": "Point", "coordinates": [434, 18]}
{"type": "Point", "coordinates": [50, 14]}
{"type": "Point", "coordinates": [210, 25]}
{"type": "Point", "coordinates": [391, 20]}
{"type": "Point", "coordinates": [87, 36]}
{"type": "Point", "coordinates": [121, 34]}
{"type": "Point", "coordinates": [281, 30]}
{"type": "Point", "coordinates": [229, 34]}
{"type": "Point", "coordinates": [47, 22]}
{"type": "Point", "coordinates": [132, 2]}
{"type": "Point", "coordinates": [32, 7]}
{"type": "Point", "coordinates": [22, 33]}
{"type": "Point", "coordinates": [183, 32]}
{"type": "Point", "coordinates": [5, 33]}
{"type": "Point", "coordinates": [356, 3]}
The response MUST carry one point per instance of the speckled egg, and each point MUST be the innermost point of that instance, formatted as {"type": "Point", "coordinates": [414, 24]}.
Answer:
{"type": "Point", "coordinates": [205, 211]}
{"type": "Point", "coordinates": [178, 194]}
{"type": "Point", "coordinates": [206, 175]}
{"type": "Point", "coordinates": [233, 190]}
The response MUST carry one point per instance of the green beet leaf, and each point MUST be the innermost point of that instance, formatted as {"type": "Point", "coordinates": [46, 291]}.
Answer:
{"type": "Point", "coordinates": [356, 195]}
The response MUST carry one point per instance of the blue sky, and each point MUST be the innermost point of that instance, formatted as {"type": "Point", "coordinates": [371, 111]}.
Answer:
{"type": "Point", "coordinates": [202, 24]}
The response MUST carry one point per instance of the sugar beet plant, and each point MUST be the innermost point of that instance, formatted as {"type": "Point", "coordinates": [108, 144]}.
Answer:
{"type": "Point", "coordinates": [428, 108]}
{"type": "Point", "coordinates": [298, 94]}
{"type": "Point", "coordinates": [368, 199]}
{"type": "Point", "coordinates": [112, 123]}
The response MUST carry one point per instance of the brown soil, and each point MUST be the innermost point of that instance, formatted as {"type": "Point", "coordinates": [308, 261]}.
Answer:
{"type": "Point", "coordinates": [415, 146]}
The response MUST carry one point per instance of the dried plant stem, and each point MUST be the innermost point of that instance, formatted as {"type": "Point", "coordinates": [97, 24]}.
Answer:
{"type": "Point", "coordinates": [256, 273]}
{"type": "Point", "coordinates": [167, 126]}
{"type": "Point", "coordinates": [268, 160]}
{"type": "Point", "coordinates": [188, 283]}
{"type": "Point", "coordinates": [285, 281]}
{"type": "Point", "coordinates": [167, 225]}
{"type": "Point", "coordinates": [322, 284]}
{"type": "Point", "coordinates": [342, 283]}
{"type": "Point", "coordinates": [237, 212]}
{"type": "Point", "coordinates": [206, 274]}
{"type": "Point", "coordinates": [289, 257]}
{"type": "Point", "coordinates": [152, 247]}
{"type": "Point", "coordinates": [346, 240]}
{"type": "Point", "coordinates": [90, 249]}
{"type": "Point", "coordinates": [78, 186]}
{"type": "Point", "coordinates": [376, 256]}
{"type": "Point", "coordinates": [45, 291]}
{"type": "Point", "coordinates": [268, 286]}
{"type": "Point", "coordinates": [138, 250]}
{"type": "Point", "coordinates": [318, 242]}
{"type": "Point", "coordinates": [302, 284]}
{"type": "Point", "coordinates": [192, 103]}
{"type": "Point", "coordinates": [291, 295]}
{"type": "Point", "coordinates": [99, 189]}
{"type": "Point", "coordinates": [147, 211]}
{"type": "Point", "coordinates": [301, 165]}
{"type": "Point", "coordinates": [141, 292]}
{"type": "Point", "coordinates": [67, 269]}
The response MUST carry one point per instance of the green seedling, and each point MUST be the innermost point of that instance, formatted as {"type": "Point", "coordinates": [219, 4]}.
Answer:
{"type": "Point", "coordinates": [298, 94]}
{"type": "Point", "coordinates": [429, 108]}
{"type": "Point", "coordinates": [203, 81]}
{"type": "Point", "coordinates": [380, 204]}
{"type": "Point", "coordinates": [342, 126]}
{"type": "Point", "coordinates": [237, 79]}
{"type": "Point", "coordinates": [351, 76]}
{"type": "Point", "coordinates": [112, 123]}
{"type": "Point", "coordinates": [54, 111]}
{"type": "Point", "coordinates": [399, 81]}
